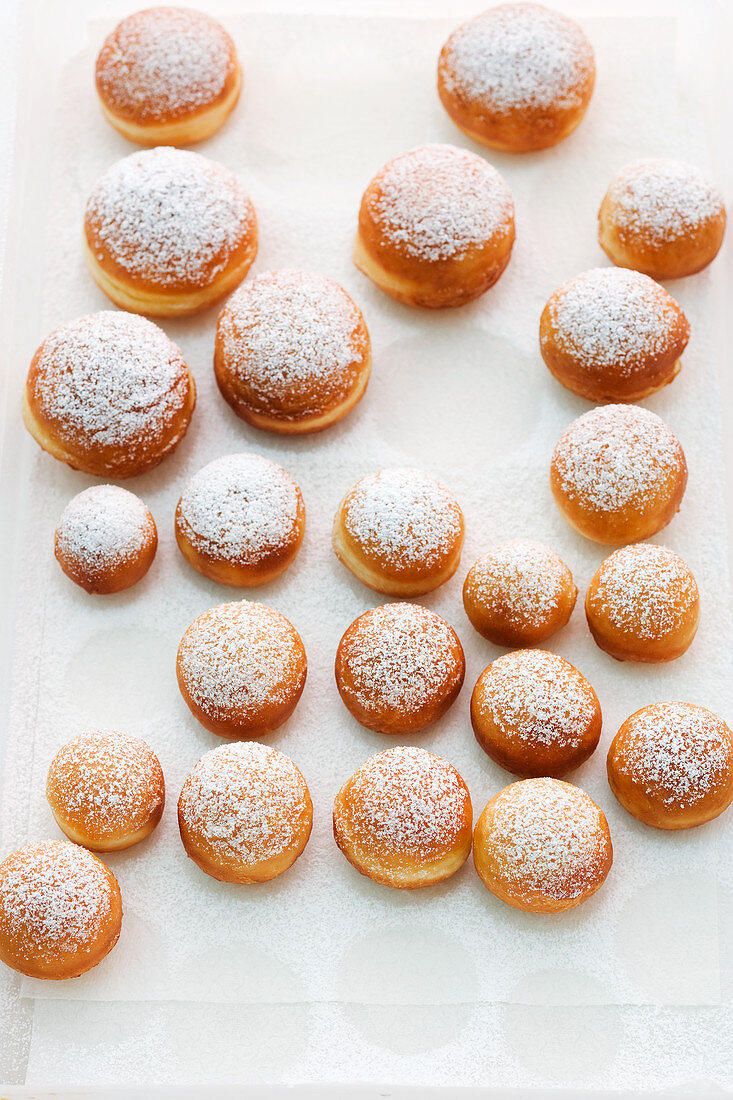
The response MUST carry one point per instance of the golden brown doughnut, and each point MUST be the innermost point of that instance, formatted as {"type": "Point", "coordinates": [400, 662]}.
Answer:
{"type": "Point", "coordinates": [168, 76]}
{"type": "Point", "coordinates": [108, 394]}
{"type": "Point", "coordinates": [399, 531]}
{"type": "Point", "coordinates": [662, 217]}
{"type": "Point", "coordinates": [519, 593]}
{"type": "Point", "coordinates": [618, 474]}
{"type": "Point", "coordinates": [518, 77]}
{"type": "Point", "coordinates": [542, 845]}
{"type": "Point", "coordinates": [293, 353]}
{"type": "Point", "coordinates": [436, 227]}
{"type": "Point", "coordinates": [168, 232]}
{"type": "Point", "coordinates": [613, 335]}
{"type": "Point", "coordinates": [399, 668]}
{"type": "Point", "coordinates": [241, 669]}
{"type": "Point", "coordinates": [245, 813]}
{"type": "Point", "coordinates": [106, 790]}
{"type": "Point", "coordinates": [671, 765]}
{"type": "Point", "coordinates": [404, 819]}
{"type": "Point", "coordinates": [60, 910]}
{"type": "Point", "coordinates": [643, 604]}
{"type": "Point", "coordinates": [240, 520]}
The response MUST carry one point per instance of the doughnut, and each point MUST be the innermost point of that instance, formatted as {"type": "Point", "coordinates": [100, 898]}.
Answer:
{"type": "Point", "coordinates": [519, 593]}
{"type": "Point", "coordinates": [662, 217]}
{"type": "Point", "coordinates": [106, 790]}
{"type": "Point", "coordinates": [245, 813]}
{"type": "Point", "coordinates": [613, 335]}
{"type": "Point", "coordinates": [106, 539]}
{"type": "Point", "coordinates": [518, 77]}
{"type": "Point", "coordinates": [436, 227]}
{"type": "Point", "coordinates": [399, 668]}
{"type": "Point", "coordinates": [404, 819]}
{"type": "Point", "coordinates": [109, 395]}
{"type": "Point", "coordinates": [292, 352]}
{"type": "Point", "coordinates": [535, 714]}
{"type": "Point", "coordinates": [168, 76]}
{"type": "Point", "coordinates": [542, 845]}
{"type": "Point", "coordinates": [643, 604]}
{"type": "Point", "coordinates": [241, 669]}
{"type": "Point", "coordinates": [168, 232]}
{"type": "Point", "coordinates": [240, 520]}
{"type": "Point", "coordinates": [60, 910]}
{"type": "Point", "coordinates": [618, 474]}
{"type": "Point", "coordinates": [671, 765]}
{"type": "Point", "coordinates": [399, 532]}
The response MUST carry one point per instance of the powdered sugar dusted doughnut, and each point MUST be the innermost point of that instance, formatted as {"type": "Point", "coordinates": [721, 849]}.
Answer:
{"type": "Point", "coordinates": [404, 819]}
{"type": "Point", "coordinates": [240, 520]}
{"type": "Point", "coordinates": [542, 845]}
{"type": "Point", "coordinates": [292, 352]}
{"type": "Point", "coordinates": [618, 474]}
{"type": "Point", "coordinates": [436, 227]}
{"type": "Point", "coordinates": [671, 765]}
{"type": "Point", "coordinates": [613, 335]}
{"type": "Point", "coordinates": [245, 813]}
{"type": "Point", "coordinates": [241, 669]}
{"type": "Point", "coordinates": [108, 394]}
{"type": "Point", "coordinates": [518, 77]}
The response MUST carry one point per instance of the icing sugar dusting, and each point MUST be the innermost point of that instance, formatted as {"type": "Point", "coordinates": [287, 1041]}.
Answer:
{"type": "Point", "coordinates": [103, 527]}
{"type": "Point", "coordinates": [646, 590]}
{"type": "Point", "coordinates": [663, 200]}
{"type": "Point", "coordinates": [524, 579]}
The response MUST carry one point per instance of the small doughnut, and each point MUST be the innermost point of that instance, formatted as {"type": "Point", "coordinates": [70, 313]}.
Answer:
{"type": "Point", "coordinates": [518, 77]}
{"type": "Point", "coordinates": [168, 232]}
{"type": "Point", "coordinates": [518, 594]}
{"type": "Point", "coordinates": [241, 669]}
{"type": "Point", "coordinates": [106, 539]}
{"type": "Point", "coordinates": [399, 668]}
{"type": "Point", "coordinates": [436, 227]}
{"type": "Point", "coordinates": [671, 765]}
{"type": "Point", "coordinates": [400, 532]}
{"type": "Point", "coordinates": [643, 604]}
{"type": "Point", "coordinates": [404, 819]}
{"type": "Point", "coordinates": [240, 520]}
{"type": "Point", "coordinates": [292, 353]}
{"type": "Point", "coordinates": [245, 813]}
{"type": "Point", "coordinates": [108, 394]}
{"type": "Point", "coordinates": [613, 335]}
{"type": "Point", "coordinates": [106, 790]}
{"type": "Point", "coordinates": [542, 845]}
{"type": "Point", "coordinates": [662, 217]}
{"type": "Point", "coordinates": [60, 910]}
{"type": "Point", "coordinates": [618, 474]}
{"type": "Point", "coordinates": [168, 76]}
{"type": "Point", "coordinates": [535, 714]}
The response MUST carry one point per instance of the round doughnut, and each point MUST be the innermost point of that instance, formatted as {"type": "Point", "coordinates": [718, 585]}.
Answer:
{"type": "Point", "coordinates": [618, 474]}
{"type": "Point", "coordinates": [662, 217]}
{"type": "Point", "coordinates": [613, 335]}
{"type": "Point", "coordinates": [245, 813]}
{"type": "Point", "coordinates": [535, 714]}
{"type": "Point", "coordinates": [542, 845]}
{"type": "Point", "coordinates": [519, 593]}
{"type": "Point", "coordinates": [671, 765]}
{"type": "Point", "coordinates": [399, 531]}
{"type": "Point", "coordinates": [436, 227]}
{"type": "Point", "coordinates": [240, 520]}
{"type": "Point", "coordinates": [108, 394]}
{"type": "Point", "coordinates": [399, 668]}
{"type": "Point", "coordinates": [404, 819]}
{"type": "Point", "coordinates": [168, 232]}
{"type": "Point", "coordinates": [241, 669]}
{"type": "Point", "coordinates": [60, 910]}
{"type": "Point", "coordinates": [292, 353]}
{"type": "Point", "coordinates": [106, 790]}
{"type": "Point", "coordinates": [518, 77]}
{"type": "Point", "coordinates": [643, 604]}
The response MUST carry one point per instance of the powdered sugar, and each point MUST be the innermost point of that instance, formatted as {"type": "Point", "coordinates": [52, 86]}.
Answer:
{"type": "Point", "coordinates": [103, 527]}
{"type": "Point", "coordinates": [645, 590]}
{"type": "Point", "coordinates": [662, 200]}
{"type": "Point", "coordinates": [525, 579]}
